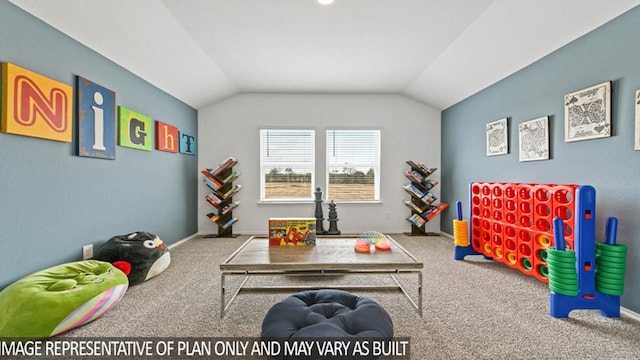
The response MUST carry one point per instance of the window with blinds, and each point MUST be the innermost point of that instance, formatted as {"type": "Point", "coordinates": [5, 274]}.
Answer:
{"type": "Point", "coordinates": [353, 165]}
{"type": "Point", "coordinates": [286, 164]}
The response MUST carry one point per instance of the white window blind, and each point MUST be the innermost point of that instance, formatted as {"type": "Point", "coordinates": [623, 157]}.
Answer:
{"type": "Point", "coordinates": [286, 164]}
{"type": "Point", "coordinates": [353, 165]}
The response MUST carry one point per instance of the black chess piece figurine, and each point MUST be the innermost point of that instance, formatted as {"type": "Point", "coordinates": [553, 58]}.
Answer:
{"type": "Point", "coordinates": [333, 220]}
{"type": "Point", "coordinates": [319, 216]}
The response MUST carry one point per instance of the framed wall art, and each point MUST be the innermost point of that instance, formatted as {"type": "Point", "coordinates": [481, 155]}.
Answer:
{"type": "Point", "coordinates": [35, 105]}
{"type": "Point", "coordinates": [96, 113]}
{"type": "Point", "coordinates": [587, 113]}
{"type": "Point", "coordinates": [637, 134]}
{"type": "Point", "coordinates": [135, 129]}
{"type": "Point", "coordinates": [534, 139]}
{"type": "Point", "coordinates": [497, 137]}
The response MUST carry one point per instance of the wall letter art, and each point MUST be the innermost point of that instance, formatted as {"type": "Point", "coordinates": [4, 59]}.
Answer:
{"type": "Point", "coordinates": [135, 130]}
{"type": "Point", "coordinates": [34, 105]}
{"type": "Point", "coordinates": [188, 144]}
{"type": "Point", "coordinates": [166, 137]}
{"type": "Point", "coordinates": [96, 120]}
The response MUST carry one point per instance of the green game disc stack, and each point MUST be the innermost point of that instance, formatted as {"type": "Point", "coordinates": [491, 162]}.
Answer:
{"type": "Point", "coordinates": [610, 266]}
{"type": "Point", "coordinates": [563, 278]}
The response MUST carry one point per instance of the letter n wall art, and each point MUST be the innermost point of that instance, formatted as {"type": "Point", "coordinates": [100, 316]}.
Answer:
{"type": "Point", "coordinates": [34, 105]}
{"type": "Point", "coordinates": [136, 130]}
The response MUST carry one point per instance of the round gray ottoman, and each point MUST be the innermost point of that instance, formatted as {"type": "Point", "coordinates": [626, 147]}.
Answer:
{"type": "Point", "coordinates": [326, 314]}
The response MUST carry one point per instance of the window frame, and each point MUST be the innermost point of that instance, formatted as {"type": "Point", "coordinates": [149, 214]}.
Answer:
{"type": "Point", "coordinates": [376, 166]}
{"type": "Point", "coordinates": [286, 164]}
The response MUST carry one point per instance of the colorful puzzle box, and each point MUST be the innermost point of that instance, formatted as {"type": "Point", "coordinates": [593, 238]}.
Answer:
{"type": "Point", "coordinates": [292, 231]}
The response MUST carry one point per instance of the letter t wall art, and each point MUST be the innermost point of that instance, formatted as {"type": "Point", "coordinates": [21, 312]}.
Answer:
{"type": "Point", "coordinates": [136, 130]}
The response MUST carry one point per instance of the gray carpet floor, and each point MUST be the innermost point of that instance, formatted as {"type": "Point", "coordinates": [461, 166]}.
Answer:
{"type": "Point", "coordinates": [473, 309]}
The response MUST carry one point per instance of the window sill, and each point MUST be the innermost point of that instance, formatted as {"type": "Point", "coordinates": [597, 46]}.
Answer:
{"type": "Point", "coordinates": [307, 202]}
{"type": "Point", "coordinates": [357, 201]}
{"type": "Point", "coordinates": [285, 202]}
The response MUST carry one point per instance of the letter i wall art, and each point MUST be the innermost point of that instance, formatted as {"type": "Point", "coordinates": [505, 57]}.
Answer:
{"type": "Point", "coordinates": [96, 120]}
{"type": "Point", "coordinates": [37, 106]}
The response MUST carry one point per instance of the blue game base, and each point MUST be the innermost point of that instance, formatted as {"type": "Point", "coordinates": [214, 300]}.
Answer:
{"type": "Point", "coordinates": [562, 305]}
{"type": "Point", "coordinates": [459, 252]}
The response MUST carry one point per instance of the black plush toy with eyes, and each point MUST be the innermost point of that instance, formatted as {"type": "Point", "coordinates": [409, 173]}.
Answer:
{"type": "Point", "coordinates": [140, 255]}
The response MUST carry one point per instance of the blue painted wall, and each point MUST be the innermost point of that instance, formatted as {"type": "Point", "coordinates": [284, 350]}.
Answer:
{"type": "Point", "coordinates": [53, 202]}
{"type": "Point", "coordinates": [611, 52]}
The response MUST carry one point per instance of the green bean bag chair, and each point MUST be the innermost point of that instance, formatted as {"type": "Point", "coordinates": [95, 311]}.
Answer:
{"type": "Point", "coordinates": [60, 298]}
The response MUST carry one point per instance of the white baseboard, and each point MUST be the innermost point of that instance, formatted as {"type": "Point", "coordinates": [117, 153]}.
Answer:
{"type": "Point", "coordinates": [630, 314]}
{"type": "Point", "coordinates": [180, 242]}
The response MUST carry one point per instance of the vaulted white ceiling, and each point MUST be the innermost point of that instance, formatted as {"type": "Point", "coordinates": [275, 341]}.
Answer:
{"type": "Point", "coordinates": [435, 51]}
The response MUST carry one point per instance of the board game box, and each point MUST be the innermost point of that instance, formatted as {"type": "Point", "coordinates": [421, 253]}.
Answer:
{"type": "Point", "coordinates": [292, 231]}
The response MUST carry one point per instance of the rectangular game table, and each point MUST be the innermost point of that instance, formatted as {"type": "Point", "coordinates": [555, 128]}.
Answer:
{"type": "Point", "coordinates": [330, 256]}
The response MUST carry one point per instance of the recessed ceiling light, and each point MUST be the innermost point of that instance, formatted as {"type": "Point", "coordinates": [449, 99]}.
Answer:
{"type": "Point", "coordinates": [325, 2]}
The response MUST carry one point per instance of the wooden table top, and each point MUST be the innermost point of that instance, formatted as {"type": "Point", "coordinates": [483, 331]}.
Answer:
{"type": "Point", "coordinates": [331, 253]}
